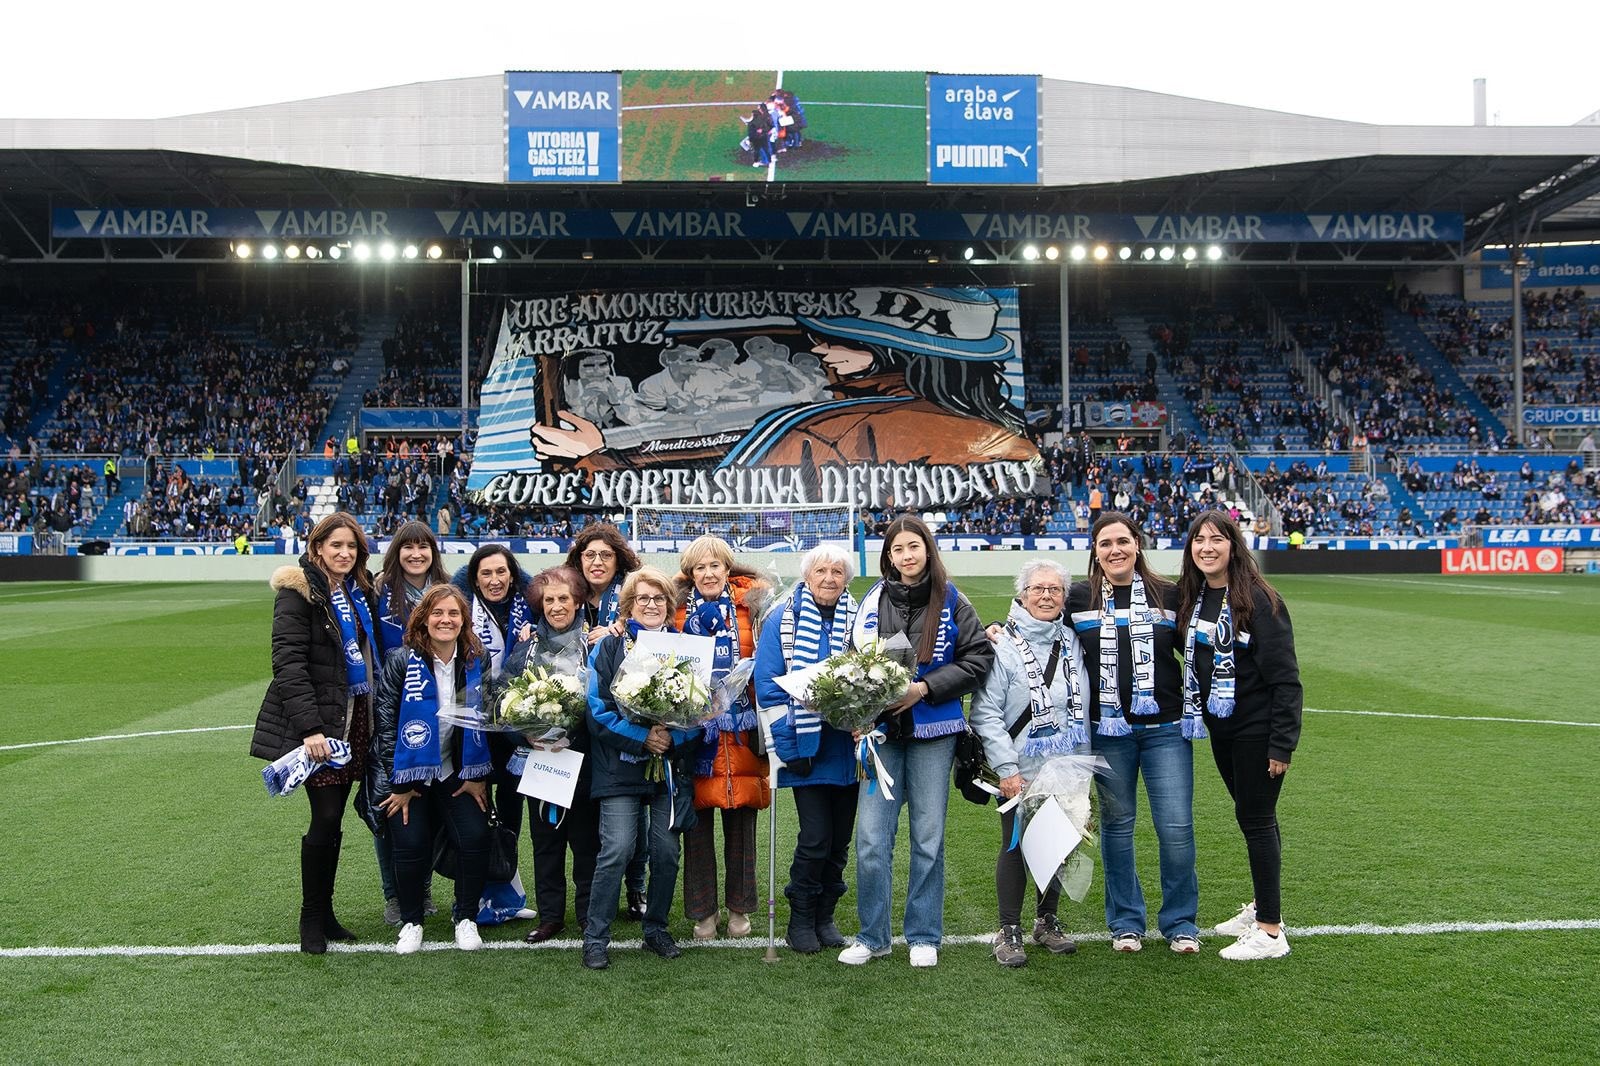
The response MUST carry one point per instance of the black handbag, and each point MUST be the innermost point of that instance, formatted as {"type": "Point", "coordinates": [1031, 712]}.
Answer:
{"type": "Point", "coordinates": [502, 864]}
{"type": "Point", "coordinates": [968, 765]}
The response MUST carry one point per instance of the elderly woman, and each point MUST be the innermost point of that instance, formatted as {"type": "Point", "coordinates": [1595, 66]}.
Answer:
{"type": "Point", "coordinates": [620, 750]}
{"type": "Point", "coordinates": [559, 644]}
{"type": "Point", "coordinates": [720, 599]}
{"type": "Point", "coordinates": [436, 776]}
{"type": "Point", "coordinates": [1033, 706]}
{"type": "Point", "coordinates": [324, 647]}
{"type": "Point", "coordinates": [952, 656]}
{"type": "Point", "coordinates": [1242, 678]}
{"type": "Point", "coordinates": [818, 761]}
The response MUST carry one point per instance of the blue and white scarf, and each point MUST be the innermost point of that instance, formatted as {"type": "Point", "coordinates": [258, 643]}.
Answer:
{"type": "Point", "coordinates": [394, 609]}
{"type": "Point", "coordinates": [1223, 673]}
{"type": "Point", "coordinates": [291, 770]}
{"type": "Point", "coordinates": [1045, 739]}
{"type": "Point", "coordinates": [927, 719]}
{"type": "Point", "coordinates": [800, 634]}
{"type": "Point", "coordinates": [417, 757]}
{"type": "Point", "coordinates": [355, 622]}
{"type": "Point", "coordinates": [1141, 639]}
{"type": "Point", "coordinates": [610, 603]}
{"type": "Point", "coordinates": [496, 643]}
{"type": "Point", "coordinates": [719, 620]}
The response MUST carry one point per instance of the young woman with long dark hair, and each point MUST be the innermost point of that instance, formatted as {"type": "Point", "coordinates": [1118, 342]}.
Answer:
{"type": "Point", "coordinates": [1242, 678]}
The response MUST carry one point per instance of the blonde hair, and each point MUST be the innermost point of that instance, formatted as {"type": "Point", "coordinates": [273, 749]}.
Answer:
{"type": "Point", "coordinates": [646, 575]}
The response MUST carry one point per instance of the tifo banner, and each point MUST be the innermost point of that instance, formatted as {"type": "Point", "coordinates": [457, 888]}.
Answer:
{"type": "Point", "coordinates": [1549, 266]}
{"type": "Point", "coordinates": [562, 127]}
{"type": "Point", "coordinates": [1501, 560]}
{"type": "Point", "coordinates": [1131, 414]}
{"type": "Point", "coordinates": [774, 125]}
{"type": "Point", "coordinates": [880, 395]}
{"type": "Point", "coordinates": [983, 129]}
{"type": "Point", "coordinates": [416, 223]}
{"type": "Point", "coordinates": [1561, 416]}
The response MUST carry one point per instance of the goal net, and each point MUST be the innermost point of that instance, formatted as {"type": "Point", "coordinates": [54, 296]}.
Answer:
{"type": "Point", "coordinates": [795, 528]}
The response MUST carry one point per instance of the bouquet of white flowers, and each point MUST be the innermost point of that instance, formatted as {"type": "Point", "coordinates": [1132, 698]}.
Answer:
{"type": "Point", "coordinates": [542, 704]}
{"type": "Point", "coordinates": [1065, 780]}
{"type": "Point", "coordinates": [657, 689]}
{"type": "Point", "coordinates": [853, 688]}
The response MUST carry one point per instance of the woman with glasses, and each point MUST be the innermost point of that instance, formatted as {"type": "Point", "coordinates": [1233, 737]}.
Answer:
{"type": "Point", "coordinates": [1125, 614]}
{"type": "Point", "coordinates": [1032, 707]}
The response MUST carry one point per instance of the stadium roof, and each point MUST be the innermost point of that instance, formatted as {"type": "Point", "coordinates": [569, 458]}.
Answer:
{"type": "Point", "coordinates": [1104, 149]}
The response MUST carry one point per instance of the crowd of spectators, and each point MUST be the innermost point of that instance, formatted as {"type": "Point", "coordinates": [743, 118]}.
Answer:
{"type": "Point", "coordinates": [1552, 372]}
{"type": "Point", "coordinates": [35, 495]}
{"type": "Point", "coordinates": [412, 390]}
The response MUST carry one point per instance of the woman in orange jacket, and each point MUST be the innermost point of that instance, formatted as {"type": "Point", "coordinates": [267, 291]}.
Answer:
{"type": "Point", "coordinates": [721, 600]}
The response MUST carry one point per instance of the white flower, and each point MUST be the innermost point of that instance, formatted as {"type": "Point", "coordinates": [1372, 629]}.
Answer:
{"type": "Point", "coordinates": [549, 710]}
{"type": "Point", "coordinates": [630, 686]}
{"type": "Point", "coordinates": [877, 673]}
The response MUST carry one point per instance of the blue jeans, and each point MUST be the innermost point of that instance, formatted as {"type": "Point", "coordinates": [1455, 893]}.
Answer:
{"type": "Point", "coordinates": [921, 772]}
{"type": "Point", "coordinates": [619, 826]}
{"type": "Point", "coordinates": [1167, 763]}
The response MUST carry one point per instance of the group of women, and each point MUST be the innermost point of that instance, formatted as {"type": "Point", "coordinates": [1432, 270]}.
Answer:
{"type": "Point", "coordinates": [1126, 665]}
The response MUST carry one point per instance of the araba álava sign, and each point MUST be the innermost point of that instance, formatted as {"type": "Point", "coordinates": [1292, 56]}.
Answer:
{"type": "Point", "coordinates": [1501, 560]}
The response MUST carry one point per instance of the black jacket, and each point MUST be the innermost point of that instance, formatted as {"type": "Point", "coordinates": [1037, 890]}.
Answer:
{"type": "Point", "coordinates": [904, 609]}
{"type": "Point", "coordinates": [308, 692]}
{"type": "Point", "coordinates": [386, 727]}
{"type": "Point", "coordinates": [1169, 668]}
{"type": "Point", "coordinates": [1267, 694]}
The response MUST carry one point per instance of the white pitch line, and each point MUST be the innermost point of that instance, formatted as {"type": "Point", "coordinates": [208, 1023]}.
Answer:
{"type": "Point", "coordinates": [123, 736]}
{"type": "Point", "coordinates": [752, 943]}
{"type": "Point", "coordinates": [1455, 717]}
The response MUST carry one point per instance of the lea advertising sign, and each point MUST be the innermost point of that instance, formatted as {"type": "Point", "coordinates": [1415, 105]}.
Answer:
{"type": "Point", "coordinates": [1501, 560]}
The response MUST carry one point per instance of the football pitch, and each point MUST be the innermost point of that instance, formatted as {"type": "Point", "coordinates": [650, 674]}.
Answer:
{"type": "Point", "coordinates": [1439, 832]}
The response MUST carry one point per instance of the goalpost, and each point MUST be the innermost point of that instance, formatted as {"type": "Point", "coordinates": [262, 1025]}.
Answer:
{"type": "Point", "coordinates": [791, 528]}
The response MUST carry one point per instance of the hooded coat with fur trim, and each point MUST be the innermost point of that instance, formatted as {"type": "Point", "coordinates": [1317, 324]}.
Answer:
{"type": "Point", "coordinates": [308, 693]}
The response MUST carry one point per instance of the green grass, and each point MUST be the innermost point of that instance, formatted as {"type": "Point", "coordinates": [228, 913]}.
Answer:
{"type": "Point", "coordinates": [170, 841]}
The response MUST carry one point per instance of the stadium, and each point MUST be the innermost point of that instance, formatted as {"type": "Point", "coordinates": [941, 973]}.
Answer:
{"type": "Point", "coordinates": [784, 307]}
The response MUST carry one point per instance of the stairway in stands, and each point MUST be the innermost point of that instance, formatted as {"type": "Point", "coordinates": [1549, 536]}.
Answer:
{"type": "Point", "coordinates": [62, 368]}
{"type": "Point", "coordinates": [1135, 329]}
{"type": "Point", "coordinates": [108, 522]}
{"type": "Point", "coordinates": [1402, 330]}
{"type": "Point", "coordinates": [366, 370]}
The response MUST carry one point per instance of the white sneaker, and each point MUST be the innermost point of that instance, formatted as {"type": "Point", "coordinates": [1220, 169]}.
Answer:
{"type": "Point", "coordinates": [859, 954]}
{"type": "Point", "coordinates": [1257, 944]}
{"type": "Point", "coordinates": [924, 955]}
{"type": "Point", "coordinates": [1240, 923]}
{"type": "Point", "coordinates": [467, 938]}
{"type": "Point", "coordinates": [410, 941]}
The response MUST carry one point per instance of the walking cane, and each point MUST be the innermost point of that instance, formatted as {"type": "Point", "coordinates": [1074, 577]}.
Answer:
{"type": "Point", "coordinates": [772, 840]}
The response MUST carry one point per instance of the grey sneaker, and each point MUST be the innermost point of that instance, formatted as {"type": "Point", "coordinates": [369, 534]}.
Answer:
{"type": "Point", "coordinates": [391, 912]}
{"type": "Point", "coordinates": [1008, 948]}
{"type": "Point", "coordinates": [1047, 933]}
{"type": "Point", "coordinates": [428, 908]}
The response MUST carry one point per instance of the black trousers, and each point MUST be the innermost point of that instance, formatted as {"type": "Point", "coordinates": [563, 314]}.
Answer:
{"type": "Point", "coordinates": [579, 830]}
{"type": "Point", "coordinates": [827, 815]}
{"type": "Point", "coordinates": [1243, 765]}
{"type": "Point", "coordinates": [1011, 878]}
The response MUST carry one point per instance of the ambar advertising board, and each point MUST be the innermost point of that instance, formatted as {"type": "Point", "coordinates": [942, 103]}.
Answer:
{"type": "Point", "coordinates": [561, 126]}
{"type": "Point", "coordinates": [880, 395]}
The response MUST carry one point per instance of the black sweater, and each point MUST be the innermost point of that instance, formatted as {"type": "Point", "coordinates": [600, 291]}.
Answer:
{"type": "Point", "coordinates": [1169, 676]}
{"type": "Point", "coordinates": [1267, 693]}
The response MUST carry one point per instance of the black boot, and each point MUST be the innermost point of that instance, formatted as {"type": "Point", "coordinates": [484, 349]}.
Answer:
{"type": "Point", "coordinates": [802, 933]}
{"type": "Point", "coordinates": [315, 892]}
{"type": "Point", "coordinates": [331, 928]}
{"type": "Point", "coordinates": [828, 934]}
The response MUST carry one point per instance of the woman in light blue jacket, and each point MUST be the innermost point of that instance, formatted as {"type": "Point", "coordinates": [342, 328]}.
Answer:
{"type": "Point", "coordinates": [1032, 707]}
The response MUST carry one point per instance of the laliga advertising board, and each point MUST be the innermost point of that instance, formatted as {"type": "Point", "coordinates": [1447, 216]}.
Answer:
{"type": "Point", "coordinates": [1501, 560]}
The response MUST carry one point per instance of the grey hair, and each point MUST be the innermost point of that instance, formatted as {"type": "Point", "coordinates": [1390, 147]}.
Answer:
{"type": "Point", "coordinates": [1033, 566]}
{"type": "Point", "coordinates": [828, 553]}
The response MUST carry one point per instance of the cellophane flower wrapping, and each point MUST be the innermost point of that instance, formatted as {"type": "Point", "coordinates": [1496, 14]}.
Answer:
{"type": "Point", "coordinates": [854, 687]}
{"type": "Point", "coordinates": [1067, 780]}
{"type": "Point", "coordinates": [543, 704]}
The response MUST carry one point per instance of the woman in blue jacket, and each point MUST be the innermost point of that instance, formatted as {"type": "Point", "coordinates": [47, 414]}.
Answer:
{"type": "Point", "coordinates": [818, 760]}
{"type": "Point", "coordinates": [620, 751]}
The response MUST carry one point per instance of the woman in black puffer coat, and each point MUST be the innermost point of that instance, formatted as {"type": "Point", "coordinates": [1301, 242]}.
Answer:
{"type": "Point", "coordinates": [324, 649]}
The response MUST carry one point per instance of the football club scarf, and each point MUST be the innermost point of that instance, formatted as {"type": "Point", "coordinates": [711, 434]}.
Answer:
{"type": "Point", "coordinates": [1045, 738]}
{"type": "Point", "coordinates": [394, 609]}
{"type": "Point", "coordinates": [1141, 641]}
{"type": "Point", "coordinates": [496, 642]}
{"type": "Point", "coordinates": [417, 757]}
{"type": "Point", "coordinates": [290, 772]}
{"type": "Point", "coordinates": [1223, 674]}
{"type": "Point", "coordinates": [800, 633]}
{"type": "Point", "coordinates": [355, 621]}
{"type": "Point", "coordinates": [928, 720]}
{"type": "Point", "coordinates": [719, 620]}
{"type": "Point", "coordinates": [610, 603]}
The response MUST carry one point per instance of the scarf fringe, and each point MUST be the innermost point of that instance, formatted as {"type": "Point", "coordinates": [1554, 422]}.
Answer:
{"type": "Point", "coordinates": [1114, 726]}
{"type": "Point", "coordinates": [1078, 734]}
{"type": "Point", "coordinates": [361, 689]}
{"type": "Point", "coordinates": [1143, 704]}
{"type": "Point", "coordinates": [476, 770]}
{"type": "Point", "coordinates": [1194, 729]}
{"type": "Point", "coordinates": [1048, 747]}
{"type": "Point", "coordinates": [1219, 706]}
{"type": "Point", "coordinates": [941, 728]}
{"type": "Point", "coordinates": [414, 775]}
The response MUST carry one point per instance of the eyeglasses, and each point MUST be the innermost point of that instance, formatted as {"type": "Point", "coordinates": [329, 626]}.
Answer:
{"type": "Point", "coordinates": [650, 601]}
{"type": "Point", "coordinates": [1044, 590]}
{"type": "Point", "coordinates": [598, 557]}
